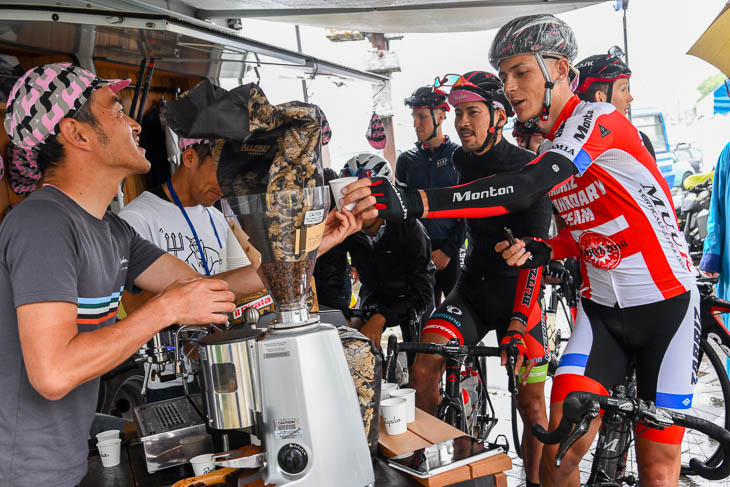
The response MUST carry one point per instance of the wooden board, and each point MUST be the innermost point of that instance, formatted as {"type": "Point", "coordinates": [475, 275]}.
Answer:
{"type": "Point", "coordinates": [427, 430]}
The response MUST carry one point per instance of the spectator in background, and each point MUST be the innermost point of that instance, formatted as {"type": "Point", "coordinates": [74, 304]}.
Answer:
{"type": "Point", "coordinates": [716, 253]}
{"type": "Point", "coordinates": [429, 165]}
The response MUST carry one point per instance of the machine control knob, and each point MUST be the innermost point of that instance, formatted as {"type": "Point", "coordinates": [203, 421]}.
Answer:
{"type": "Point", "coordinates": [292, 458]}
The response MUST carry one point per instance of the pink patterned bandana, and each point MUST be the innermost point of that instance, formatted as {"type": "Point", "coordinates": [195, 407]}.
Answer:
{"type": "Point", "coordinates": [44, 96]}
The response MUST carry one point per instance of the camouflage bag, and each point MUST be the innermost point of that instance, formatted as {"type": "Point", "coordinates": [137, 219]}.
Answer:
{"type": "Point", "coordinates": [366, 368]}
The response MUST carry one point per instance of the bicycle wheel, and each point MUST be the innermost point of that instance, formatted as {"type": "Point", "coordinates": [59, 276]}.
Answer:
{"type": "Point", "coordinates": [711, 401]}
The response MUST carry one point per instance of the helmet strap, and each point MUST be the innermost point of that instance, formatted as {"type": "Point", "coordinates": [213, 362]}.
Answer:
{"type": "Point", "coordinates": [435, 127]}
{"type": "Point", "coordinates": [609, 95]}
{"type": "Point", "coordinates": [549, 84]}
{"type": "Point", "coordinates": [491, 133]}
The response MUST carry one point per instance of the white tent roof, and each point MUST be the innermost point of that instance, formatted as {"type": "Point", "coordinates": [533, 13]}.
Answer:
{"type": "Point", "coordinates": [390, 16]}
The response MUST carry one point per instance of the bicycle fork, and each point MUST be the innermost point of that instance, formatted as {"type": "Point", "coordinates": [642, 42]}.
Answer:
{"type": "Point", "coordinates": [614, 441]}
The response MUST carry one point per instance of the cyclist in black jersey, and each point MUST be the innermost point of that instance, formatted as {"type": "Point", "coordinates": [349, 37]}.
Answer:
{"type": "Point", "coordinates": [491, 295]}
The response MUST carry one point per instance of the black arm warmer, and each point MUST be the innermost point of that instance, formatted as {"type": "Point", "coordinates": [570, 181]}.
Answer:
{"type": "Point", "coordinates": [501, 193]}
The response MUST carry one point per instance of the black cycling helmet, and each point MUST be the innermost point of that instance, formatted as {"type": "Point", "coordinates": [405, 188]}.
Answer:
{"type": "Point", "coordinates": [602, 68]}
{"type": "Point", "coordinates": [485, 87]}
{"type": "Point", "coordinates": [543, 35]}
{"type": "Point", "coordinates": [525, 130]}
{"type": "Point", "coordinates": [427, 98]}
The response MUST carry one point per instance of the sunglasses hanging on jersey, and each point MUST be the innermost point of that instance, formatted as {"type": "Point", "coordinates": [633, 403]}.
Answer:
{"type": "Point", "coordinates": [451, 80]}
{"type": "Point", "coordinates": [362, 172]}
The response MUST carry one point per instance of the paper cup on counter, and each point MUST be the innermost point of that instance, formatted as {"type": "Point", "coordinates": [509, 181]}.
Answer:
{"type": "Point", "coordinates": [394, 415]}
{"type": "Point", "coordinates": [110, 452]}
{"type": "Point", "coordinates": [202, 464]}
{"type": "Point", "coordinates": [386, 388]}
{"type": "Point", "coordinates": [410, 396]}
{"type": "Point", "coordinates": [107, 435]}
{"type": "Point", "coordinates": [337, 185]}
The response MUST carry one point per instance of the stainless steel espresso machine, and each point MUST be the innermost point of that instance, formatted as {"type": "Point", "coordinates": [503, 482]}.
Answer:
{"type": "Point", "coordinates": [290, 385]}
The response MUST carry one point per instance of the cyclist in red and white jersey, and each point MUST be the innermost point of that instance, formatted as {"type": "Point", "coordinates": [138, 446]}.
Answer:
{"type": "Point", "coordinates": [639, 298]}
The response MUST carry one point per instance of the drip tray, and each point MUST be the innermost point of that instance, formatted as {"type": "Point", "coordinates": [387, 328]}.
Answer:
{"type": "Point", "coordinates": [172, 431]}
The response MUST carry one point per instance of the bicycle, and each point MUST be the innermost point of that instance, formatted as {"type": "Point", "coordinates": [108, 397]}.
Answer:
{"type": "Point", "coordinates": [621, 413]}
{"type": "Point", "coordinates": [453, 408]}
{"type": "Point", "coordinates": [711, 399]}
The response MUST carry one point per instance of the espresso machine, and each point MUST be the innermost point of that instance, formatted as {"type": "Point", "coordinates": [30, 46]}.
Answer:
{"type": "Point", "coordinates": [290, 384]}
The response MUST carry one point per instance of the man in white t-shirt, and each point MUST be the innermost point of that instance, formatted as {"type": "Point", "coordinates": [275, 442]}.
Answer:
{"type": "Point", "coordinates": [179, 217]}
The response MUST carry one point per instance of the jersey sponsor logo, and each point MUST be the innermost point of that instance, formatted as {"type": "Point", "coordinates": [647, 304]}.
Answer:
{"type": "Point", "coordinates": [453, 310]}
{"type": "Point", "coordinates": [442, 162]}
{"type": "Point", "coordinates": [578, 217]}
{"type": "Point", "coordinates": [600, 250]}
{"type": "Point", "coordinates": [559, 132]}
{"type": "Point", "coordinates": [529, 287]}
{"type": "Point", "coordinates": [563, 148]}
{"type": "Point", "coordinates": [123, 263]}
{"type": "Point", "coordinates": [479, 195]}
{"type": "Point", "coordinates": [583, 129]}
{"type": "Point", "coordinates": [696, 350]}
{"type": "Point", "coordinates": [604, 130]}
{"type": "Point", "coordinates": [578, 199]}
{"type": "Point", "coordinates": [567, 186]}
{"type": "Point", "coordinates": [432, 326]}
{"type": "Point", "coordinates": [448, 318]}
{"type": "Point", "coordinates": [666, 223]}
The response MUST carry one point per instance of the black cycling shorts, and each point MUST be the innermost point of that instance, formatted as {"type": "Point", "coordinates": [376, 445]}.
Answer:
{"type": "Point", "coordinates": [471, 310]}
{"type": "Point", "coordinates": [662, 337]}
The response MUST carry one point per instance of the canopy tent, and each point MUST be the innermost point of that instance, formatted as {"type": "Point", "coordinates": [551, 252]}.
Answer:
{"type": "Point", "coordinates": [388, 16]}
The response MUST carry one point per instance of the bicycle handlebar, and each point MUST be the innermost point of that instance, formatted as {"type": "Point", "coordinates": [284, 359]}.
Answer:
{"type": "Point", "coordinates": [580, 407]}
{"type": "Point", "coordinates": [433, 348]}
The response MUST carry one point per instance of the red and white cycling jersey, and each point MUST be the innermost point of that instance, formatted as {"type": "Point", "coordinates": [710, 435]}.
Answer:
{"type": "Point", "coordinates": [618, 209]}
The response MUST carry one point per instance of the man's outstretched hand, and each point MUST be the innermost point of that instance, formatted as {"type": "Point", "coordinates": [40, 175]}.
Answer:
{"type": "Point", "coordinates": [378, 197]}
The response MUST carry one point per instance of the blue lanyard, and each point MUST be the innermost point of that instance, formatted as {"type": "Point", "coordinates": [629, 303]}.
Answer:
{"type": "Point", "coordinates": [192, 228]}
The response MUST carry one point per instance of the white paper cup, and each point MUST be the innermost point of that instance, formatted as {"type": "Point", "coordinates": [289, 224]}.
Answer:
{"type": "Point", "coordinates": [202, 464]}
{"type": "Point", "coordinates": [410, 396]}
{"type": "Point", "coordinates": [386, 388]}
{"type": "Point", "coordinates": [110, 452]}
{"type": "Point", "coordinates": [337, 185]}
{"type": "Point", "coordinates": [107, 435]}
{"type": "Point", "coordinates": [394, 415]}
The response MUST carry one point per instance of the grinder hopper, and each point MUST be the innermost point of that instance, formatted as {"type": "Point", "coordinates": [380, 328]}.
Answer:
{"type": "Point", "coordinates": [286, 227]}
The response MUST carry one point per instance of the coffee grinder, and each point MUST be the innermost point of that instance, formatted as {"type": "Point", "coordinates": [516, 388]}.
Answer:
{"type": "Point", "coordinates": [292, 385]}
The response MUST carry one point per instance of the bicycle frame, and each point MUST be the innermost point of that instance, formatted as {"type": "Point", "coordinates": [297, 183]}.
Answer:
{"type": "Point", "coordinates": [614, 441]}
{"type": "Point", "coordinates": [713, 327]}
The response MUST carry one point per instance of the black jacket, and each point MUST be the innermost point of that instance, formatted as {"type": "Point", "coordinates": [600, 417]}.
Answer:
{"type": "Point", "coordinates": [397, 272]}
{"type": "Point", "coordinates": [421, 168]}
{"type": "Point", "coordinates": [482, 261]}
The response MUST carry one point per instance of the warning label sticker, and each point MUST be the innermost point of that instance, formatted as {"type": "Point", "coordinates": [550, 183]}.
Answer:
{"type": "Point", "coordinates": [289, 428]}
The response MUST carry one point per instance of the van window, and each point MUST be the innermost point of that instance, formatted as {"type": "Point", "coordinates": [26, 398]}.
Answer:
{"type": "Point", "coordinates": [653, 127]}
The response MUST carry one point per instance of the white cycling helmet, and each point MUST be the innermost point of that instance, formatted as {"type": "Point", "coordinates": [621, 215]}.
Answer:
{"type": "Point", "coordinates": [366, 165]}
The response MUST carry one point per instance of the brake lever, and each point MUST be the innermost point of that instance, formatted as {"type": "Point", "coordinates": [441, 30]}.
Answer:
{"type": "Point", "coordinates": [580, 429]}
{"type": "Point", "coordinates": [511, 378]}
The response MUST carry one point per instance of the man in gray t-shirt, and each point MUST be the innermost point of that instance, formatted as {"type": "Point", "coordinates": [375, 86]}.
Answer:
{"type": "Point", "coordinates": [64, 261]}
